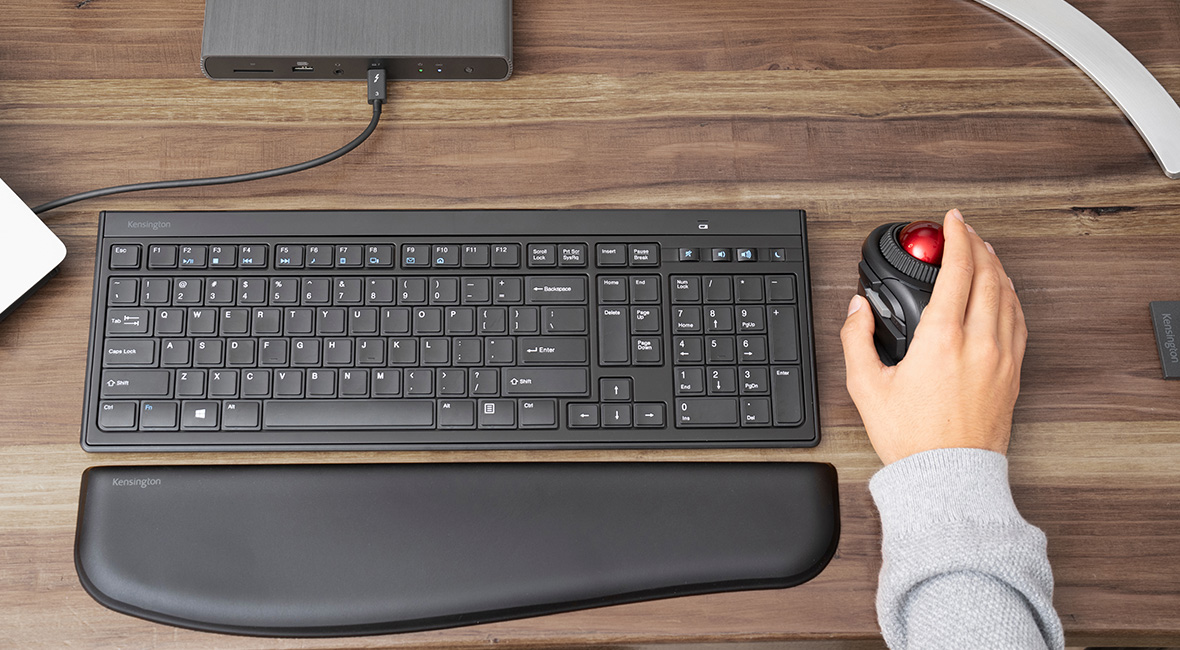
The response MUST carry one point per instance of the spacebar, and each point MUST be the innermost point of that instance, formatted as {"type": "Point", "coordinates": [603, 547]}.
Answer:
{"type": "Point", "coordinates": [349, 414]}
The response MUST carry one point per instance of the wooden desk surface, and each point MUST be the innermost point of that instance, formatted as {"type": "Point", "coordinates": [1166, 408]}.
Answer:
{"type": "Point", "coordinates": [859, 112]}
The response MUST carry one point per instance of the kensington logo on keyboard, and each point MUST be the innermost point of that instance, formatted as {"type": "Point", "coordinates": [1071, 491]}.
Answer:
{"type": "Point", "coordinates": [154, 225]}
{"type": "Point", "coordinates": [135, 482]}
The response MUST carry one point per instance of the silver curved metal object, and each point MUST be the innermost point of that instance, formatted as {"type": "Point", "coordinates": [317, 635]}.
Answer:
{"type": "Point", "coordinates": [1142, 99]}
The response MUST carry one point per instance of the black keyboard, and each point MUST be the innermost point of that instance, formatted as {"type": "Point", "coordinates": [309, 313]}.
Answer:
{"type": "Point", "coordinates": [450, 329]}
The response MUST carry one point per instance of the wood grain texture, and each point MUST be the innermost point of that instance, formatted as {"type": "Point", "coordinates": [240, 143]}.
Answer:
{"type": "Point", "coordinates": [858, 112]}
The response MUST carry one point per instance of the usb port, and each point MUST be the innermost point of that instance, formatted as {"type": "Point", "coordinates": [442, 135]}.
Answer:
{"type": "Point", "coordinates": [302, 67]}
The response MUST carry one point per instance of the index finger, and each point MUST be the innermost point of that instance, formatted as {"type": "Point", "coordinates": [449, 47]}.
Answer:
{"type": "Point", "coordinates": [952, 288]}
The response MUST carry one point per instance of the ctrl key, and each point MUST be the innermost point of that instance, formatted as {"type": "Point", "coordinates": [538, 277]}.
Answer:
{"type": "Point", "coordinates": [117, 416]}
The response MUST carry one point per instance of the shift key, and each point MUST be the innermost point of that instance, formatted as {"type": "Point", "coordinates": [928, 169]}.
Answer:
{"type": "Point", "coordinates": [545, 381]}
{"type": "Point", "coordinates": [136, 383]}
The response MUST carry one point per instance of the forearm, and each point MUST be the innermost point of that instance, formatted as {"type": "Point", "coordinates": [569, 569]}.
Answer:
{"type": "Point", "coordinates": [961, 568]}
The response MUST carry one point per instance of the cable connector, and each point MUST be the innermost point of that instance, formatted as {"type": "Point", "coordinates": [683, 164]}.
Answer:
{"type": "Point", "coordinates": [376, 85]}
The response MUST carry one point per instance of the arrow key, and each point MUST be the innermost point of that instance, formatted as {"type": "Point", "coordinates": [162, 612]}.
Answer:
{"type": "Point", "coordinates": [583, 416]}
{"type": "Point", "coordinates": [649, 415]}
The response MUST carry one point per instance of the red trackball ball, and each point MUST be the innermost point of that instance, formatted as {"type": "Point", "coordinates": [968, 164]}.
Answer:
{"type": "Point", "coordinates": [923, 240]}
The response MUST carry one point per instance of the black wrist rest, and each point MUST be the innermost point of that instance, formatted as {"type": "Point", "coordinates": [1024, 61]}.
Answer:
{"type": "Point", "coordinates": [335, 550]}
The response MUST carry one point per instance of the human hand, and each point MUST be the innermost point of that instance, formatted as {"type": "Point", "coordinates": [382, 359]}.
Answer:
{"type": "Point", "coordinates": [958, 382]}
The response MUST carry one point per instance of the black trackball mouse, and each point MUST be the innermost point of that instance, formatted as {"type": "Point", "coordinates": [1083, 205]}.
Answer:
{"type": "Point", "coordinates": [899, 263]}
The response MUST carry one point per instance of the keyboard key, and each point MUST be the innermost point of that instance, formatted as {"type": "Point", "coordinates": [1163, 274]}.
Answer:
{"type": "Point", "coordinates": [647, 350]}
{"type": "Point", "coordinates": [613, 343]}
{"type": "Point", "coordinates": [478, 291]}
{"type": "Point", "coordinates": [499, 351]}
{"type": "Point", "coordinates": [123, 291]}
{"type": "Point", "coordinates": [387, 383]}
{"type": "Point", "coordinates": [509, 290]}
{"type": "Point", "coordinates": [583, 416]}
{"type": "Point", "coordinates": [615, 390]}
{"type": "Point", "coordinates": [289, 256]}
{"type": "Point", "coordinates": [506, 255]}
{"type": "Point", "coordinates": [193, 257]}
{"type": "Point", "coordinates": [747, 255]}
{"type": "Point", "coordinates": [223, 257]}
{"type": "Point", "coordinates": [645, 320]}
{"type": "Point", "coordinates": [645, 289]}
{"type": "Point", "coordinates": [223, 383]}
{"type": "Point", "coordinates": [475, 256]}
{"type": "Point", "coordinates": [446, 256]}
{"type": "Point", "coordinates": [256, 383]}
{"type": "Point", "coordinates": [782, 323]}
{"type": "Point", "coordinates": [545, 289]}
{"type": "Point", "coordinates": [241, 415]}
{"type": "Point", "coordinates": [756, 412]}
{"type": "Point", "coordinates": [456, 414]}
{"type": "Point", "coordinates": [353, 382]}
{"type": "Point", "coordinates": [305, 352]}
{"type": "Point", "coordinates": [780, 288]}
{"type": "Point", "coordinates": [612, 289]}
{"type": "Point", "coordinates": [787, 394]}
{"type": "Point", "coordinates": [616, 415]}
{"type": "Point", "coordinates": [690, 381]}
{"type": "Point", "coordinates": [124, 256]}
{"type": "Point", "coordinates": [379, 256]}
{"type": "Point", "coordinates": [748, 288]}
{"type": "Point", "coordinates": [717, 289]}
{"type": "Point", "coordinates": [170, 322]}
{"type": "Point", "coordinates": [158, 415]}
{"type": "Point", "coordinates": [722, 381]}
{"type": "Point", "coordinates": [156, 291]}
{"type": "Point", "coordinates": [566, 320]}
{"type": "Point", "coordinates": [722, 255]}
{"type": "Point", "coordinates": [199, 415]}
{"type": "Point", "coordinates": [252, 291]}
{"type": "Point", "coordinates": [321, 383]}
{"type": "Point", "coordinates": [348, 414]}
{"type": "Point", "coordinates": [690, 254]}
{"type": "Point", "coordinates": [538, 413]}
{"type": "Point", "coordinates": [128, 353]}
{"type": "Point", "coordinates": [161, 256]}
{"type": "Point", "coordinates": [319, 256]}
{"type": "Point", "coordinates": [552, 350]}
{"type": "Point", "coordinates": [415, 256]}
{"type": "Point", "coordinates": [649, 415]}
{"type": "Point", "coordinates": [128, 322]}
{"type": "Point", "coordinates": [419, 382]}
{"type": "Point", "coordinates": [644, 254]}
{"type": "Point", "coordinates": [688, 349]}
{"type": "Point", "coordinates": [707, 412]}
{"type": "Point", "coordinates": [349, 256]}
{"type": "Point", "coordinates": [117, 416]}
{"type": "Point", "coordinates": [542, 255]}
{"type": "Point", "coordinates": [612, 255]}
{"type": "Point", "coordinates": [754, 380]}
{"type": "Point", "coordinates": [497, 413]}
{"type": "Point", "coordinates": [545, 381]}
{"type": "Point", "coordinates": [252, 256]}
{"type": "Point", "coordinates": [686, 289]}
{"type": "Point", "coordinates": [573, 255]}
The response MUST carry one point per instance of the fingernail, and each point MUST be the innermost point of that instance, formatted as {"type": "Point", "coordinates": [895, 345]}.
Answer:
{"type": "Point", "coordinates": [956, 214]}
{"type": "Point", "coordinates": [854, 305]}
{"type": "Point", "coordinates": [970, 229]}
{"type": "Point", "coordinates": [989, 248]}
{"type": "Point", "coordinates": [1011, 284]}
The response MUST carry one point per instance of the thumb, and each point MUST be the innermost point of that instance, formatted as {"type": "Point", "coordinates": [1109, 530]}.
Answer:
{"type": "Point", "coordinates": [860, 355]}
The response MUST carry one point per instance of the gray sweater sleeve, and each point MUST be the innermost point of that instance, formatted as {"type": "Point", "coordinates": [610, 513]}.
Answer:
{"type": "Point", "coordinates": [962, 568]}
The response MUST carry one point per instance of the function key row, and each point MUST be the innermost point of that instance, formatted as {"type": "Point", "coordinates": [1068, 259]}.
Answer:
{"type": "Point", "coordinates": [342, 256]}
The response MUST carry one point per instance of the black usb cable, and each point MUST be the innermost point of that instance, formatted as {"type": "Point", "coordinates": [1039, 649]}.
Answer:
{"type": "Point", "coordinates": [375, 94]}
